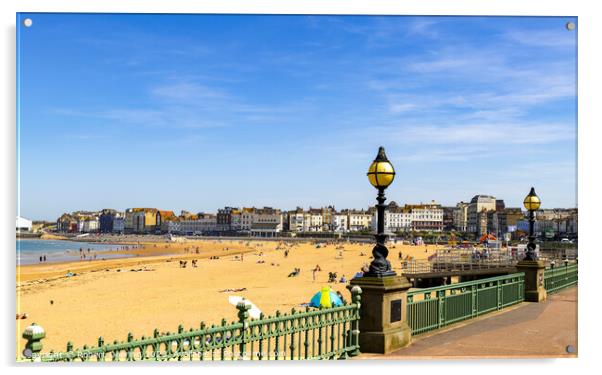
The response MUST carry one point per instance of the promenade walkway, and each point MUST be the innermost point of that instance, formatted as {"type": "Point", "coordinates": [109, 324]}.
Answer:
{"type": "Point", "coordinates": [528, 330]}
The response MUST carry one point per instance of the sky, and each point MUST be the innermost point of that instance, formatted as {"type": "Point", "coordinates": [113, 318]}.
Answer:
{"type": "Point", "coordinates": [198, 112]}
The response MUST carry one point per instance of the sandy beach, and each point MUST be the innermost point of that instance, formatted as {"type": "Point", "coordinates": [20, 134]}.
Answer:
{"type": "Point", "coordinates": [150, 290]}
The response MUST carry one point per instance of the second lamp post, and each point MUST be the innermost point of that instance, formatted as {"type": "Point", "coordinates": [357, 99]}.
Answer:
{"type": "Point", "coordinates": [532, 204]}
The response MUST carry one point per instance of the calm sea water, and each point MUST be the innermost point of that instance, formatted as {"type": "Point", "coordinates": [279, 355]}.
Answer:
{"type": "Point", "coordinates": [29, 251]}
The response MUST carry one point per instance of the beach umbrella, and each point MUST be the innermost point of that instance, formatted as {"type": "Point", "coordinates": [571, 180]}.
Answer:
{"type": "Point", "coordinates": [254, 312]}
{"type": "Point", "coordinates": [326, 297]}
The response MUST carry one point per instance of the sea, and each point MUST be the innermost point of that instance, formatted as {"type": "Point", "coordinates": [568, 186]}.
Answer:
{"type": "Point", "coordinates": [30, 250]}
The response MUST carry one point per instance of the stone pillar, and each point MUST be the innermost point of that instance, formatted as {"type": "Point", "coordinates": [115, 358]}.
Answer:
{"type": "Point", "coordinates": [383, 326]}
{"type": "Point", "coordinates": [534, 283]}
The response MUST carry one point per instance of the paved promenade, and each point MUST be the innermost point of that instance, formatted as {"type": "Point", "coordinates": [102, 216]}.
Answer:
{"type": "Point", "coordinates": [525, 331]}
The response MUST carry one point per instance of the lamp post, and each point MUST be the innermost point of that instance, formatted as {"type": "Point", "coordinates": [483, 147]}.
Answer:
{"type": "Point", "coordinates": [383, 325]}
{"type": "Point", "coordinates": [380, 174]}
{"type": "Point", "coordinates": [531, 203]}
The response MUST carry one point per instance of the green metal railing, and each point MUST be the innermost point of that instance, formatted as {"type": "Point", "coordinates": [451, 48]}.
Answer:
{"type": "Point", "coordinates": [558, 278]}
{"type": "Point", "coordinates": [433, 308]}
{"type": "Point", "coordinates": [330, 333]}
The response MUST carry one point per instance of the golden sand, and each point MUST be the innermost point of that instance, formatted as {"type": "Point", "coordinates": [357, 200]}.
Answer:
{"type": "Point", "coordinates": [113, 297]}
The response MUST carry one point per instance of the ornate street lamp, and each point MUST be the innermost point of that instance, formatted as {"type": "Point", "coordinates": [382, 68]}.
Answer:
{"type": "Point", "coordinates": [531, 203]}
{"type": "Point", "coordinates": [380, 174]}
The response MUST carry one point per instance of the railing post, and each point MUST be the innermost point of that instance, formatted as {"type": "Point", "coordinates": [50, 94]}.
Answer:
{"type": "Point", "coordinates": [243, 318]}
{"type": "Point", "coordinates": [473, 293]}
{"type": "Point", "coordinates": [34, 335]}
{"type": "Point", "coordinates": [356, 299]}
{"type": "Point", "coordinates": [440, 308]}
{"type": "Point", "coordinates": [499, 294]}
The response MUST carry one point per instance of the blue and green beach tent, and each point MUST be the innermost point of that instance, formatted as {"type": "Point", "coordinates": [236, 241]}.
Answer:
{"type": "Point", "coordinates": [326, 298]}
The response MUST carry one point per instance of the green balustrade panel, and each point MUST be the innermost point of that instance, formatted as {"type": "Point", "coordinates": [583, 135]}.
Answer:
{"type": "Point", "coordinates": [558, 278]}
{"type": "Point", "coordinates": [432, 308]}
{"type": "Point", "coordinates": [331, 333]}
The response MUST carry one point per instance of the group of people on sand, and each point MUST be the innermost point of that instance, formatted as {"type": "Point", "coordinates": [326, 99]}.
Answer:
{"type": "Point", "coordinates": [42, 258]}
{"type": "Point", "coordinates": [193, 263]}
{"type": "Point", "coordinates": [82, 254]}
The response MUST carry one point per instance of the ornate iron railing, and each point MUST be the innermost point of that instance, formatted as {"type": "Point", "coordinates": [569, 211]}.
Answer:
{"type": "Point", "coordinates": [558, 278]}
{"type": "Point", "coordinates": [433, 308]}
{"type": "Point", "coordinates": [329, 333]}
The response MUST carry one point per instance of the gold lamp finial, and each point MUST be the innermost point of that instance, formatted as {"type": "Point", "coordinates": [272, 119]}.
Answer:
{"type": "Point", "coordinates": [381, 172]}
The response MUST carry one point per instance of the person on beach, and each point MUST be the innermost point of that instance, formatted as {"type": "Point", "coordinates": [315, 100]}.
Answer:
{"type": "Point", "coordinates": [44, 257]}
{"type": "Point", "coordinates": [40, 259]}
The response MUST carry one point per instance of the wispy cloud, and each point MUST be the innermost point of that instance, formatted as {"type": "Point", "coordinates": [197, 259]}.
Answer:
{"type": "Point", "coordinates": [561, 38]}
{"type": "Point", "coordinates": [509, 134]}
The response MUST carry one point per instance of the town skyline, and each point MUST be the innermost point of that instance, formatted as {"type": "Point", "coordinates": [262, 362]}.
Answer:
{"type": "Point", "coordinates": [233, 109]}
{"type": "Point", "coordinates": [290, 209]}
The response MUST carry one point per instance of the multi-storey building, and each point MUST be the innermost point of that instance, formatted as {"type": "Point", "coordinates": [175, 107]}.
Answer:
{"type": "Point", "coordinates": [106, 219]}
{"type": "Point", "coordinates": [118, 224]}
{"type": "Point", "coordinates": [477, 213]}
{"type": "Point", "coordinates": [448, 218]}
{"type": "Point", "coordinates": [202, 224]}
{"type": "Point", "coordinates": [246, 219]}
{"type": "Point", "coordinates": [267, 222]}
{"type": "Point", "coordinates": [397, 219]}
{"type": "Point", "coordinates": [426, 216]}
{"type": "Point", "coordinates": [163, 215]}
{"type": "Point", "coordinates": [340, 223]}
{"type": "Point", "coordinates": [327, 218]}
{"type": "Point", "coordinates": [296, 220]}
{"type": "Point", "coordinates": [143, 220]}
{"type": "Point", "coordinates": [461, 217]}
{"type": "Point", "coordinates": [359, 220]}
{"type": "Point", "coordinates": [88, 224]}
{"type": "Point", "coordinates": [66, 223]}
{"type": "Point", "coordinates": [229, 219]}
{"type": "Point", "coordinates": [128, 220]}
{"type": "Point", "coordinates": [315, 220]}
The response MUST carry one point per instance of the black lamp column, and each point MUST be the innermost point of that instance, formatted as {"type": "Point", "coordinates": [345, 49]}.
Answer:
{"type": "Point", "coordinates": [531, 245]}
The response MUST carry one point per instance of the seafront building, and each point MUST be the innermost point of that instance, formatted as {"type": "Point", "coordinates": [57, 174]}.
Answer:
{"type": "Point", "coordinates": [106, 220]}
{"type": "Point", "coordinates": [23, 225]}
{"type": "Point", "coordinates": [478, 208]}
{"type": "Point", "coordinates": [483, 215]}
{"type": "Point", "coordinates": [461, 217]}
{"type": "Point", "coordinates": [267, 222]}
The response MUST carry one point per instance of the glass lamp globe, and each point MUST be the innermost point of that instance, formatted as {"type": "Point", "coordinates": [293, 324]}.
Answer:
{"type": "Point", "coordinates": [532, 201]}
{"type": "Point", "coordinates": [381, 172]}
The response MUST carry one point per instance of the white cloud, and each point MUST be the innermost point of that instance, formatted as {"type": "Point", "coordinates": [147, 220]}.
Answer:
{"type": "Point", "coordinates": [561, 38]}
{"type": "Point", "coordinates": [508, 133]}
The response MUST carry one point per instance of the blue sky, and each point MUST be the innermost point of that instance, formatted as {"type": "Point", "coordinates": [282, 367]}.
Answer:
{"type": "Point", "coordinates": [197, 112]}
